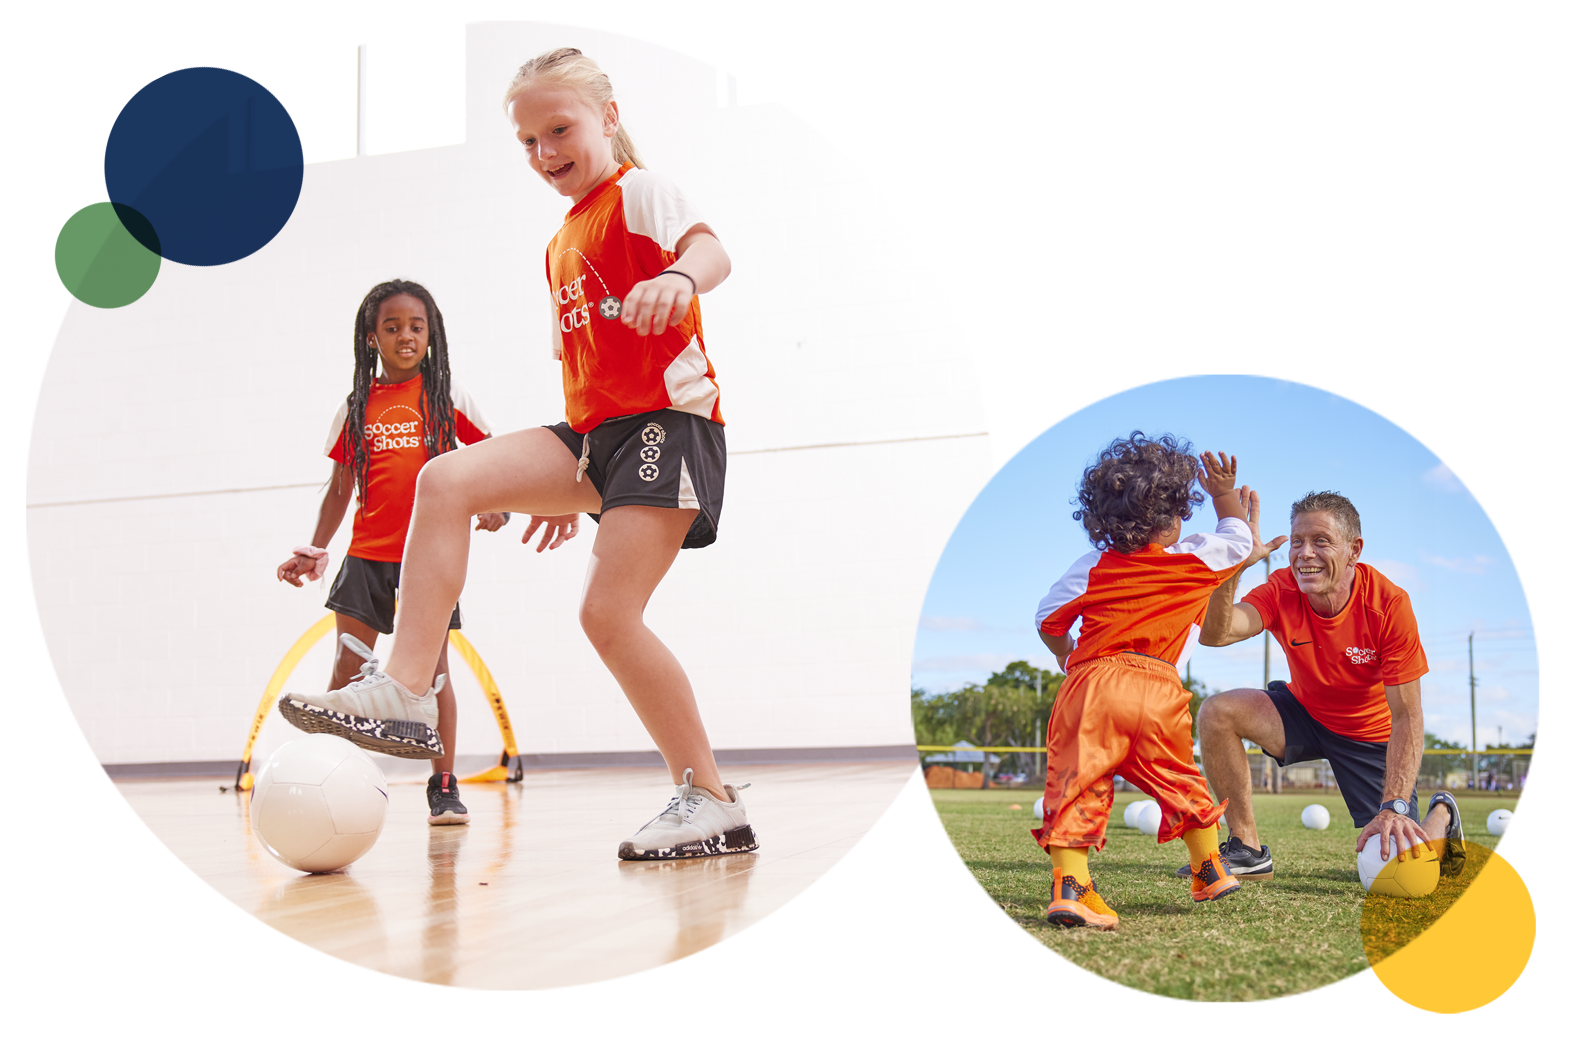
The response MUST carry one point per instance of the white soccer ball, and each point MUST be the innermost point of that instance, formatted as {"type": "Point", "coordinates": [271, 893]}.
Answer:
{"type": "Point", "coordinates": [1129, 815]}
{"type": "Point", "coordinates": [319, 803]}
{"type": "Point", "coordinates": [1411, 877]}
{"type": "Point", "coordinates": [1039, 809]}
{"type": "Point", "coordinates": [1498, 821]}
{"type": "Point", "coordinates": [1315, 817]}
{"type": "Point", "coordinates": [1148, 818]}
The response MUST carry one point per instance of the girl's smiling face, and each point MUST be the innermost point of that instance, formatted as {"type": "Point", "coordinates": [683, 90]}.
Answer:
{"type": "Point", "coordinates": [401, 335]}
{"type": "Point", "coordinates": [568, 140]}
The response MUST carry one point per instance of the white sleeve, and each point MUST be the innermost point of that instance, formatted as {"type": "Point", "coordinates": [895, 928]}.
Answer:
{"type": "Point", "coordinates": [1219, 550]}
{"type": "Point", "coordinates": [653, 207]}
{"type": "Point", "coordinates": [466, 404]}
{"type": "Point", "coordinates": [1072, 585]}
{"type": "Point", "coordinates": [338, 428]}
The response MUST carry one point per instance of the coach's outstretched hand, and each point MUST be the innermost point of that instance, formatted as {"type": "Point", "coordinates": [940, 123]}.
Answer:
{"type": "Point", "coordinates": [1260, 550]}
{"type": "Point", "coordinates": [491, 521]}
{"type": "Point", "coordinates": [555, 529]}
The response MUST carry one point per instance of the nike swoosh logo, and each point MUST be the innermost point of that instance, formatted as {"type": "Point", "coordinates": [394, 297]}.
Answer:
{"type": "Point", "coordinates": [1307, 642]}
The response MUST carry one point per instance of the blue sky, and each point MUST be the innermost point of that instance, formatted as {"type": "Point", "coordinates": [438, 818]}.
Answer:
{"type": "Point", "coordinates": [1422, 529]}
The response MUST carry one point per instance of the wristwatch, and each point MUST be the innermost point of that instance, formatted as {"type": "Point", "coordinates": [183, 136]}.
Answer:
{"type": "Point", "coordinates": [1398, 806]}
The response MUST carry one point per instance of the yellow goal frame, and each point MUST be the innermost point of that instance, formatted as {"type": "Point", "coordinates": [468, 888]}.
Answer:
{"type": "Point", "coordinates": [461, 644]}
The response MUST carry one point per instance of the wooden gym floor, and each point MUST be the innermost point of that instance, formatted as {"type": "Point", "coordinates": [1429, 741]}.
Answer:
{"type": "Point", "coordinates": [531, 893]}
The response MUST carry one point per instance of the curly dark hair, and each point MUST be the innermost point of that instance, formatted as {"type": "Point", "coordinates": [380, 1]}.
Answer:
{"type": "Point", "coordinates": [1137, 485]}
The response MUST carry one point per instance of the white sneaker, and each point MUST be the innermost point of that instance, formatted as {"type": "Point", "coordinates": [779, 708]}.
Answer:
{"type": "Point", "coordinates": [373, 711]}
{"type": "Point", "coordinates": [695, 824]}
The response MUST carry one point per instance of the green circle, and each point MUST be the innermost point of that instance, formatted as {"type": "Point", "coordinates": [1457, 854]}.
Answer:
{"type": "Point", "coordinates": [101, 263]}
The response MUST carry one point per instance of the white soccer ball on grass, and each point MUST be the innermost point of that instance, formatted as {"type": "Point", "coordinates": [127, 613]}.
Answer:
{"type": "Point", "coordinates": [1315, 818]}
{"type": "Point", "coordinates": [1148, 817]}
{"type": "Point", "coordinates": [1498, 821]}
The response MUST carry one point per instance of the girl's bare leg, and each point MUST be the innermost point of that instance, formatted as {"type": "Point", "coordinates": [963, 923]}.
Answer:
{"type": "Point", "coordinates": [635, 546]}
{"type": "Point", "coordinates": [528, 471]}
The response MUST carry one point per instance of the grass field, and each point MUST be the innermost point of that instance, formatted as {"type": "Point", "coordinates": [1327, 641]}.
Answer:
{"type": "Point", "coordinates": [1301, 930]}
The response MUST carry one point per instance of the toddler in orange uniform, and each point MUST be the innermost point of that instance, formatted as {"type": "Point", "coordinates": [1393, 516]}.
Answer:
{"type": "Point", "coordinates": [1141, 595]}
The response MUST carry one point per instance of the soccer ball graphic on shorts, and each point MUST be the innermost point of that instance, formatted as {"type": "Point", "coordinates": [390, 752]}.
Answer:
{"type": "Point", "coordinates": [319, 803]}
{"type": "Point", "coordinates": [1396, 877]}
{"type": "Point", "coordinates": [1498, 821]}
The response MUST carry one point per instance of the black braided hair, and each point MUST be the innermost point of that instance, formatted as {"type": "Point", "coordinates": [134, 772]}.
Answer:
{"type": "Point", "coordinates": [437, 403]}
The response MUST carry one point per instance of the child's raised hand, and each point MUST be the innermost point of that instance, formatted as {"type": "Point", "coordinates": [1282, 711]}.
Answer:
{"type": "Point", "coordinates": [556, 530]}
{"type": "Point", "coordinates": [652, 305]}
{"type": "Point", "coordinates": [491, 521]}
{"type": "Point", "coordinates": [1218, 475]}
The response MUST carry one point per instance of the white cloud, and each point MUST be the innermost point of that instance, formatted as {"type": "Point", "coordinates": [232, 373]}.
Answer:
{"type": "Point", "coordinates": [1474, 400]}
{"type": "Point", "coordinates": [1443, 479]}
{"type": "Point", "coordinates": [1476, 565]}
{"type": "Point", "coordinates": [972, 662]}
{"type": "Point", "coordinates": [1493, 466]}
{"type": "Point", "coordinates": [950, 623]}
{"type": "Point", "coordinates": [1400, 572]}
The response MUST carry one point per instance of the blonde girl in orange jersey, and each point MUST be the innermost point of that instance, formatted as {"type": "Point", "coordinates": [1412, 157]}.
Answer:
{"type": "Point", "coordinates": [642, 448]}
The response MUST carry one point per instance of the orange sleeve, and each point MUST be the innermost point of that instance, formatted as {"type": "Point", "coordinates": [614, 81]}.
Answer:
{"type": "Point", "coordinates": [1401, 657]}
{"type": "Point", "coordinates": [1263, 598]}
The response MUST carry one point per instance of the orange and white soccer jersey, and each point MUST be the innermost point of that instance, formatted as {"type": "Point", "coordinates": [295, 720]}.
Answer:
{"type": "Point", "coordinates": [1150, 602]}
{"type": "Point", "coordinates": [623, 232]}
{"type": "Point", "coordinates": [1340, 664]}
{"type": "Point", "coordinates": [396, 452]}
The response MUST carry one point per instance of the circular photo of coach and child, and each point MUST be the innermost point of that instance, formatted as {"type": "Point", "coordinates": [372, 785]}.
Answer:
{"type": "Point", "coordinates": [1226, 689]}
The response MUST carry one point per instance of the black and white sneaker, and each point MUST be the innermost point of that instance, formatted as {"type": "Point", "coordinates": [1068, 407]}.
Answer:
{"type": "Point", "coordinates": [1241, 860]}
{"type": "Point", "coordinates": [443, 799]}
{"type": "Point", "coordinates": [1453, 861]}
{"type": "Point", "coordinates": [695, 824]}
{"type": "Point", "coordinates": [372, 711]}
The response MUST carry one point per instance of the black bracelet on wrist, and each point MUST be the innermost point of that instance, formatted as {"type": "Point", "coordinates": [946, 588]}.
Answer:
{"type": "Point", "coordinates": [680, 273]}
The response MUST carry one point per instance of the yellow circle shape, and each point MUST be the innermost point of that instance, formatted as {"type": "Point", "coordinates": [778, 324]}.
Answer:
{"type": "Point", "coordinates": [1463, 958]}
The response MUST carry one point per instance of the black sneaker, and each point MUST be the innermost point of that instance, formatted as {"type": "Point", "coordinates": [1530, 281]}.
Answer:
{"type": "Point", "coordinates": [1453, 862]}
{"type": "Point", "coordinates": [443, 797]}
{"type": "Point", "coordinates": [1241, 860]}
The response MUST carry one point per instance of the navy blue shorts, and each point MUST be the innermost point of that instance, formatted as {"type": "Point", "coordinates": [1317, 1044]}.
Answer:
{"type": "Point", "coordinates": [1358, 764]}
{"type": "Point", "coordinates": [366, 590]}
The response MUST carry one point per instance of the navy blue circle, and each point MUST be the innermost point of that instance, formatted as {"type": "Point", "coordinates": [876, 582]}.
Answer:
{"type": "Point", "coordinates": [211, 159]}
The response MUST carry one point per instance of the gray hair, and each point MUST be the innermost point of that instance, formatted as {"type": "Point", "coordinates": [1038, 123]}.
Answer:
{"type": "Point", "coordinates": [1344, 511]}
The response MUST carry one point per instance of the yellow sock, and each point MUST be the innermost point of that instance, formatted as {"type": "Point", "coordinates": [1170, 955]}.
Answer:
{"type": "Point", "coordinates": [1073, 862]}
{"type": "Point", "coordinates": [1200, 843]}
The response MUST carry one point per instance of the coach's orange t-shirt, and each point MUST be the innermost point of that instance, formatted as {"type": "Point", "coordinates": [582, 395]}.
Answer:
{"type": "Point", "coordinates": [1150, 602]}
{"type": "Point", "coordinates": [395, 453]}
{"type": "Point", "coordinates": [623, 232]}
{"type": "Point", "coordinates": [1340, 664]}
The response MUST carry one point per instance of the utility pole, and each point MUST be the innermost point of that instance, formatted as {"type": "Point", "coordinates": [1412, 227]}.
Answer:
{"type": "Point", "coordinates": [1471, 664]}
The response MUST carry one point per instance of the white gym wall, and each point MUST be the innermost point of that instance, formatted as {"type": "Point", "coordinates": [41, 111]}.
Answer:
{"type": "Point", "coordinates": [177, 449]}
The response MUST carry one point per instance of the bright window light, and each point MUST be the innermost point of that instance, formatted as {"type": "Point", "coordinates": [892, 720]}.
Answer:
{"type": "Point", "coordinates": [761, 60]}
{"type": "Point", "coordinates": [315, 74]}
{"type": "Point", "coordinates": [415, 84]}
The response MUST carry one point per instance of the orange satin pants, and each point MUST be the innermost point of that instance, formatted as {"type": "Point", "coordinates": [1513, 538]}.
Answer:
{"type": "Point", "coordinates": [1123, 714]}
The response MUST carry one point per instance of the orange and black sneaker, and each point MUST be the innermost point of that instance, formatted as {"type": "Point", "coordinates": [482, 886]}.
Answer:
{"type": "Point", "coordinates": [1073, 904]}
{"type": "Point", "coordinates": [1212, 880]}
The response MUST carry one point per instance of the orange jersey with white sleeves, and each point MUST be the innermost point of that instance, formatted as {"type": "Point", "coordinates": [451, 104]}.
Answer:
{"type": "Point", "coordinates": [623, 232]}
{"type": "Point", "coordinates": [1150, 602]}
{"type": "Point", "coordinates": [1340, 664]}
{"type": "Point", "coordinates": [395, 453]}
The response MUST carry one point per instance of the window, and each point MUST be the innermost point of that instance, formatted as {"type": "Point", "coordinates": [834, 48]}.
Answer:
{"type": "Point", "coordinates": [369, 87]}
{"type": "Point", "coordinates": [761, 60]}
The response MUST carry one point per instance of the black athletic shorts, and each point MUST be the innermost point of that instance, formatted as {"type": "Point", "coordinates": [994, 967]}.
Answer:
{"type": "Point", "coordinates": [367, 589]}
{"type": "Point", "coordinates": [1358, 764]}
{"type": "Point", "coordinates": [663, 458]}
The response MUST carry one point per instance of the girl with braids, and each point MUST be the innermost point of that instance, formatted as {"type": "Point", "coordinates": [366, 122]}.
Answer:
{"type": "Point", "coordinates": [641, 449]}
{"type": "Point", "coordinates": [383, 434]}
{"type": "Point", "coordinates": [1141, 595]}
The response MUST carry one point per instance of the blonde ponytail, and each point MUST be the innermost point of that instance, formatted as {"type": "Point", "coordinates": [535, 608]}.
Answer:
{"type": "Point", "coordinates": [569, 66]}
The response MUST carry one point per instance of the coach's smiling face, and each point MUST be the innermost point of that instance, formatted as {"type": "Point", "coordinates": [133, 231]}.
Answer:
{"type": "Point", "coordinates": [1323, 560]}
